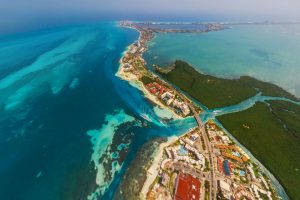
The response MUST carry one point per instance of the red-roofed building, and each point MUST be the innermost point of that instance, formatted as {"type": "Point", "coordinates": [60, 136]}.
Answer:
{"type": "Point", "coordinates": [149, 85]}
{"type": "Point", "coordinates": [220, 165]}
{"type": "Point", "coordinates": [187, 187]}
{"type": "Point", "coordinates": [162, 90]}
{"type": "Point", "coordinates": [153, 90]}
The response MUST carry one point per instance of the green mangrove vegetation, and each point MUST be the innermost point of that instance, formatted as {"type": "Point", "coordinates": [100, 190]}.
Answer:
{"type": "Point", "coordinates": [271, 133]}
{"type": "Point", "coordinates": [288, 114]}
{"type": "Point", "coordinates": [216, 92]}
{"type": "Point", "coordinates": [270, 130]}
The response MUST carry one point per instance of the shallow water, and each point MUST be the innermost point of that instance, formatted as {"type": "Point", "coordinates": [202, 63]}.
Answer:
{"type": "Point", "coordinates": [62, 109]}
{"type": "Point", "coordinates": [56, 88]}
{"type": "Point", "coordinates": [244, 105]}
{"type": "Point", "coordinates": [267, 52]}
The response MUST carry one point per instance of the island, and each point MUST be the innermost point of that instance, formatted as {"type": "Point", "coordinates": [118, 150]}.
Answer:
{"type": "Point", "coordinates": [207, 162]}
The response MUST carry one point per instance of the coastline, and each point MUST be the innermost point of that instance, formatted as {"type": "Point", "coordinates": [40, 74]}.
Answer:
{"type": "Point", "coordinates": [134, 81]}
{"type": "Point", "coordinates": [218, 92]}
{"type": "Point", "coordinates": [280, 186]}
{"type": "Point", "coordinates": [276, 184]}
{"type": "Point", "coordinates": [158, 159]}
{"type": "Point", "coordinates": [152, 171]}
{"type": "Point", "coordinates": [136, 174]}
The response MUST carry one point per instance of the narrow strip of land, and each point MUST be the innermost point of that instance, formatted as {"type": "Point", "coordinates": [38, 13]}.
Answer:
{"type": "Point", "coordinates": [205, 154]}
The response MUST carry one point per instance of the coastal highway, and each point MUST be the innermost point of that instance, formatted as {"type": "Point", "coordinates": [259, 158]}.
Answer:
{"type": "Point", "coordinates": [212, 185]}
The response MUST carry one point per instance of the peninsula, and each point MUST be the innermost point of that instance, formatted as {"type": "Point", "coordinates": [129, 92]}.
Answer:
{"type": "Point", "coordinates": [206, 162]}
{"type": "Point", "coordinates": [133, 69]}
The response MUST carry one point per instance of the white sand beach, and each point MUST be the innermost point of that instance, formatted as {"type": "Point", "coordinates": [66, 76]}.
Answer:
{"type": "Point", "coordinates": [153, 170]}
{"type": "Point", "coordinates": [135, 82]}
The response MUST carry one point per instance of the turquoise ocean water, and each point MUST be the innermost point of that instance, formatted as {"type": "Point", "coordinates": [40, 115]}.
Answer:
{"type": "Point", "coordinates": [266, 52]}
{"type": "Point", "coordinates": [64, 113]}
{"type": "Point", "coordinates": [69, 128]}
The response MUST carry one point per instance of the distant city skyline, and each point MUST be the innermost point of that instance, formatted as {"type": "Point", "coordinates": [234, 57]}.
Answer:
{"type": "Point", "coordinates": [18, 15]}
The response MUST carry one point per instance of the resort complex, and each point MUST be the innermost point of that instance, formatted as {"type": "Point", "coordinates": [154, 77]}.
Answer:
{"type": "Point", "coordinates": [133, 68]}
{"type": "Point", "coordinates": [205, 163]}
{"type": "Point", "coordinates": [184, 171]}
{"type": "Point", "coordinates": [150, 100]}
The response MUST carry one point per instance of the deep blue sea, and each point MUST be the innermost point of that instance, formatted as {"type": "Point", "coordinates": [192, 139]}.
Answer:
{"type": "Point", "coordinates": [61, 106]}
{"type": "Point", "coordinates": [69, 127]}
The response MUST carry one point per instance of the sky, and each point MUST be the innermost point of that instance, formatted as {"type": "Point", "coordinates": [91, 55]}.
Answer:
{"type": "Point", "coordinates": [25, 14]}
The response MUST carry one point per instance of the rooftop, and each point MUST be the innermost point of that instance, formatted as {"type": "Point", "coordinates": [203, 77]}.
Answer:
{"type": "Point", "coordinates": [187, 187]}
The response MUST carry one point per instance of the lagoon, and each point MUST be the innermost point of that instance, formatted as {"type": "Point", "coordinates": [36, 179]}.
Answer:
{"type": "Point", "coordinates": [266, 52]}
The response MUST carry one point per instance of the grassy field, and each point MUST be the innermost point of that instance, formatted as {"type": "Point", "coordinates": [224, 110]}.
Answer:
{"type": "Point", "coordinates": [216, 92]}
{"type": "Point", "coordinates": [277, 147]}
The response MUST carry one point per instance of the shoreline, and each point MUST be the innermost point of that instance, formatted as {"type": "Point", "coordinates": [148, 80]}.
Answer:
{"type": "Point", "coordinates": [276, 184]}
{"type": "Point", "coordinates": [134, 81]}
{"type": "Point", "coordinates": [152, 170]}
{"type": "Point", "coordinates": [155, 164]}
{"type": "Point", "coordinates": [158, 155]}
{"type": "Point", "coordinates": [218, 92]}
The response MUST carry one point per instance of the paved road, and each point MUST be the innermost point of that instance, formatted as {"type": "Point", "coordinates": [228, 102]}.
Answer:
{"type": "Point", "coordinates": [212, 190]}
{"type": "Point", "coordinates": [190, 170]}
{"type": "Point", "coordinates": [213, 185]}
